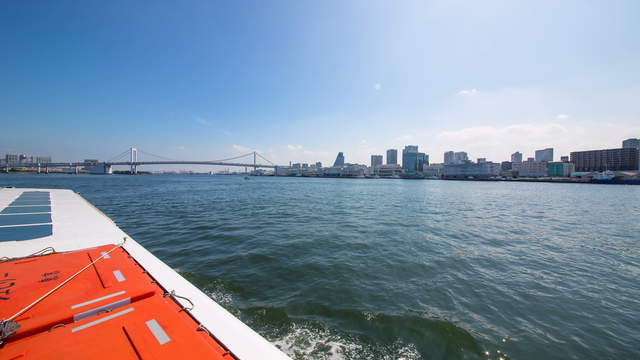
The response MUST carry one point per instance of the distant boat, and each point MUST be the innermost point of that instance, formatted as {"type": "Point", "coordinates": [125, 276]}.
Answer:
{"type": "Point", "coordinates": [604, 175]}
{"type": "Point", "coordinates": [246, 178]}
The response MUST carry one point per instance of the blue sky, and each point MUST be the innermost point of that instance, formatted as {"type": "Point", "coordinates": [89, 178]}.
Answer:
{"type": "Point", "coordinates": [302, 80]}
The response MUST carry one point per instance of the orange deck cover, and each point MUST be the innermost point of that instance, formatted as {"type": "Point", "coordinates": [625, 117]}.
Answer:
{"type": "Point", "coordinates": [111, 310]}
{"type": "Point", "coordinates": [114, 279]}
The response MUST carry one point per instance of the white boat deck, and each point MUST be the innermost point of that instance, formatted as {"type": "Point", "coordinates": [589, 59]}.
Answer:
{"type": "Point", "coordinates": [76, 224]}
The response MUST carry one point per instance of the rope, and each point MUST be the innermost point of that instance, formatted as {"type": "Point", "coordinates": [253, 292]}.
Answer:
{"type": "Point", "coordinates": [37, 253]}
{"type": "Point", "coordinates": [60, 285]}
{"type": "Point", "coordinates": [173, 294]}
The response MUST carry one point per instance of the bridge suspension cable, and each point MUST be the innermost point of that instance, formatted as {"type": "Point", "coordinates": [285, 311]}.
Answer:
{"type": "Point", "coordinates": [120, 156]}
{"type": "Point", "coordinates": [124, 157]}
{"type": "Point", "coordinates": [233, 158]}
{"type": "Point", "coordinates": [158, 156]}
{"type": "Point", "coordinates": [264, 158]}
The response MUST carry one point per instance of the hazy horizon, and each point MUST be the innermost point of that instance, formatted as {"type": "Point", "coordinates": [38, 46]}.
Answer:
{"type": "Point", "coordinates": [301, 81]}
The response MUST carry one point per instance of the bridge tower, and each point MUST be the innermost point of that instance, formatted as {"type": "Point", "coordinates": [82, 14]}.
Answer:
{"type": "Point", "coordinates": [134, 160]}
{"type": "Point", "coordinates": [254, 163]}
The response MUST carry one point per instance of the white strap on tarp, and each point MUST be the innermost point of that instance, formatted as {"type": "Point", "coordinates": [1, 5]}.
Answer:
{"type": "Point", "coordinates": [60, 285]}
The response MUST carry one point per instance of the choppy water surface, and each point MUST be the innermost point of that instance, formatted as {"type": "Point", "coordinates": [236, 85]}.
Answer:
{"type": "Point", "coordinates": [396, 269]}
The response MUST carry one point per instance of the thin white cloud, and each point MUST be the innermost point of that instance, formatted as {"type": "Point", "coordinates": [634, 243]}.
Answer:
{"type": "Point", "coordinates": [239, 148]}
{"type": "Point", "coordinates": [294, 147]}
{"type": "Point", "coordinates": [202, 121]}
{"type": "Point", "coordinates": [377, 86]}
{"type": "Point", "coordinates": [181, 147]}
{"type": "Point", "coordinates": [468, 92]}
{"type": "Point", "coordinates": [562, 116]}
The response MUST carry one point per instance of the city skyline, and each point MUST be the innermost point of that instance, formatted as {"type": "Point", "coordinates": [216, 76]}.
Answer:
{"type": "Point", "coordinates": [210, 80]}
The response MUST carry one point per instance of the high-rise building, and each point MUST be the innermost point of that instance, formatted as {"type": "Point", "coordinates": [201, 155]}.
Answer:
{"type": "Point", "coordinates": [409, 157]}
{"type": "Point", "coordinates": [449, 158]}
{"type": "Point", "coordinates": [423, 160]}
{"type": "Point", "coordinates": [11, 159]}
{"type": "Point", "coordinates": [481, 160]}
{"type": "Point", "coordinates": [544, 155]}
{"type": "Point", "coordinates": [460, 157]}
{"type": "Point", "coordinates": [608, 159]}
{"type": "Point", "coordinates": [376, 160]}
{"type": "Point", "coordinates": [339, 160]}
{"type": "Point", "coordinates": [631, 143]}
{"type": "Point", "coordinates": [392, 156]}
{"type": "Point", "coordinates": [318, 165]}
{"type": "Point", "coordinates": [412, 160]}
{"type": "Point", "coordinates": [516, 157]}
{"type": "Point", "coordinates": [564, 159]}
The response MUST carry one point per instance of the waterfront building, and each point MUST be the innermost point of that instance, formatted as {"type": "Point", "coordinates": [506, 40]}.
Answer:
{"type": "Point", "coordinates": [460, 157]}
{"type": "Point", "coordinates": [339, 160]}
{"type": "Point", "coordinates": [564, 158]}
{"type": "Point", "coordinates": [436, 170]}
{"type": "Point", "coordinates": [305, 166]}
{"type": "Point", "coordinates": [562, 169]}
{"type": "Point", "coordinates": [413, 160]}
{"type": "Point", "coordinates": [425, 159]}
{"type": "Point", "coordinates": [11, 159]}
{"type": "Point", "coordinates": [409, 157]}
{"type": "Point", "coordinates": [24, 159]}
{"type": "Point", "coordinates": [530, 168]}
{"type": "Point", "coordinates": [449, 158]}
{"type": "Point", "coordinates": [631, 143]}
{"type": "Point", "coordinates": [296, 166]}
{"type": "Point", "coordinates": [392, 156]}
{"type": "Point", "coordinates": [332, 171]}
{"type": "Point", "coordinates": [376, 160]}
{"type": "Point", "coordinates": [545, 155]}
{"type": "Point", "coordinates": [481, 160]}
{"type": "Point", "coordinates": [354, 170]}
{"type": "Point", "coordinates": [607, 159]}
{"type": "Point", "coordinates": [506, 165]}
{"type": "Point", "coordinates": [516, 157]}
{"type": "Point", "coordinates": [91, 165]}
{"type": "Point", "coordinates": [389, 170]}
{"type": "Point", "coordinates": [318, 165]}
{"type": "Point", "coordinates": [468, 170]}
